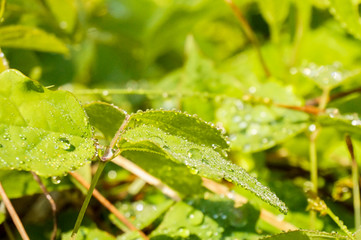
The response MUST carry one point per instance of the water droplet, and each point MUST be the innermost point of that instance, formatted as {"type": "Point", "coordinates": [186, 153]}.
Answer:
{"type": "Point", "coordinates": [139, 207]}
{"type": "Point", "coordinates": [6, 137]}
{"type": "Point", "coordinates": [105, 93]}
{"type": "Point", "coordinates": [112, 174]}
{"type": "Point", "coordinates": [22, 137]}
{"type": "Point", "coordinates": [66, 145]}
{"type": "Point", "coordinates": [332, 112]}
{"type": "Point", "coordinates": [312, 128]}
{"type": "Point", "coordinates": [356, 122]}
{"type": "Point", "coordinates": [195, 153]}
{"type": "Point", "coordinates": [195, 217]}
{"type": "Point", "coordinates": [183, 232]}
{"type": "Point", "coordinates": [56, 179]}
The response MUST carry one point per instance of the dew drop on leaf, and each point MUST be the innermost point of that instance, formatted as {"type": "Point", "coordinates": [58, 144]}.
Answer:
{"type": "Point", "coordinates": [183, 232]}
{"type": "Point", "coordinates": [195, 217]}
{"type": "Point", "coordinates": [194, 153]}
{"type": "Point", "coordinates": [66, 145]}
{"type": "Point", "coordinates": [56, 179]}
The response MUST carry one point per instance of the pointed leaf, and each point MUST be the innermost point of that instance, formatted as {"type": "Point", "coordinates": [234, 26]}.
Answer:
{"type": "Point", "coordinates": [16, 36]}
{"type": "Point", "coordinates": [350, 123]}
{"type": "Point", "coordinates": [43, 131]}
{"type": "Point", "coordinates": [105, 117]}
{"type": "Point", "coordinates": [201, 147]}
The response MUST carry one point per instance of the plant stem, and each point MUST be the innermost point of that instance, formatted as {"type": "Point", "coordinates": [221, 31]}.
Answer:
{"type": "Point", "coordinates": [51, 202]}
{"type": "Point", "coordinates": [87, 198]}
{"type": "Point", "coordinates": [107, 204]}
{"type": "Point", "coordinates": [14, 216]}
{"type": "Point", "coordinates": [2, 10]}
{"type": "Point", "coordinates": [355, 183]}
{"type": "Point", "coordinates": [250, 34]}
{"type": "Point", "coordinates": [313, 161]}
{"type": "Point", "coordinates": [325, 97]}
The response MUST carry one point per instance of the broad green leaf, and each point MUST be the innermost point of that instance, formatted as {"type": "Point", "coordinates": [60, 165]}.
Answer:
{"type": "Point", "coordinates": [306, 235]}
{"type": "Point", "coordinates": [65, 12]}
{"type": "Point", "coordinates": [350, 123]}
{"type": "Point", "coordinates": [328, 76]}
{"type": "Point", "coordinates": [43, 131]}
{"type": "Point", "coordinates": [347, 13]}
{"type": "Point", "coordinates": [196, 144]}
{"type": "Point", "coordinates": [140, 213]}
{"type": "Point", "coordinates": [211, 218]}
{"type": "Point", "coordinates": [17, 36]}
{"type": "Point", "coordinates": [155, 161]}
{"type": "Point", "coordinates": [105, 117]}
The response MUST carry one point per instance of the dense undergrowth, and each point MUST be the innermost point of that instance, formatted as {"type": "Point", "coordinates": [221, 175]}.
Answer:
{"type": "Point", "coordinates": [193, 119]}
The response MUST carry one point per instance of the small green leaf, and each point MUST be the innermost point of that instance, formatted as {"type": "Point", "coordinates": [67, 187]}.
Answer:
{"type": "Point", "coordinates": [347, 13]}
{"type": "Point", "coordinates": [65, 12]}
{"type": "Point", "coordinates": [16, 36]}
{"type": "Point", "coordinates": [43, 131]}
{"type": "Point", "coordinates": [350, 123]}
{"type": "Point", "coordinates": [196, 144]}
{"type": "Point", "coordinates": [305, 235]}
{"type": "Point", "coordinates": [105, 117]}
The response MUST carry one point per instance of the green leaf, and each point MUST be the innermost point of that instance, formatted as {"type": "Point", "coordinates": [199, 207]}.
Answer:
{"type": "Point", "coordinates": [305, 235]}
{"type": "Point", "coordinates": [200, 146]}
{"type": "Point", "coordinates": [350, 123]}
{"type": "Point", "coordinates": [105, 117]}
{"type": "Point", "coordinates": [65, 12]}
{"type": "Point", "coordinates": [43, 131]}
{"type": "Point", "coordinates": [88, 233]}
{"type": "Point", "coordinates": [17, 36]}
{"type": "Point", "coordinates": [140, 213]}
{"type": "Point", "coordinates": [155, 161]}
{"type": "Point", "coordinates": [211, 218]}
{"type": "Point", "coordinates": [347, 13]}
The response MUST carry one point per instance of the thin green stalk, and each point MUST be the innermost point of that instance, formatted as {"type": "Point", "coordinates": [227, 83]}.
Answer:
{"type": "Point", "coordinates": [340, 223]}
{"type": "Point", "coordinates": [325, 97]}
{"type": "Point", "coordinates": [313, 171]}
{"type": "Point", "coordinates": [87, 198]}
{"type": "Point", "coordinates": [355, 183]}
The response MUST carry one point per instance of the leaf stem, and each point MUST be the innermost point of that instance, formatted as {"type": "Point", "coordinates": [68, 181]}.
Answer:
{"type": "Point", "coordinates": [51, 202]}
{"type": "Point", "coordinates": [13, 214]}
{"type": "Point", "coordinates": [2, 10]}
{"type": "Point", "coordinates": [87, 199]}
{"type": "Point", "coordinates": [108, 205]}
{"type": "Point", "coordinates": [249, 33]}
{"type": "Point", "coordinates": [355, 183]}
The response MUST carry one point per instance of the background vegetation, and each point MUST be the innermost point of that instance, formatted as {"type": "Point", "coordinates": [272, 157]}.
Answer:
{"type": "Point", "coordinates": [280, 78]}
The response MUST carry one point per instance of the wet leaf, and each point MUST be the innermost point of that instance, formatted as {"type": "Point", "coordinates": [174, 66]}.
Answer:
{"type": "Point", "coordinates": [350, 123]}
{"type": "Point", "coordinates": [192, 142]}
{"type": "Point", "coordinates": [43, 131]}
{"type": "Point", "coordinates": [16, 36]}
{"type": "Point", "coordinates": [105, 117]}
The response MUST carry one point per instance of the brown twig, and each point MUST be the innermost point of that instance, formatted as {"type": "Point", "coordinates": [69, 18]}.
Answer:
{"type": "Point", "coordinates": [51, 202]}
{"type": "Point", "coordinates": [136, 170]}
{"type": "Point", "coordinates": [14, 216]}
{"type": "Point", "coordinates": [249, 33]}
{"type": "Point", "coordinates": [307, 109]}
{"type": "Point", "coordinates": [108, 205]}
